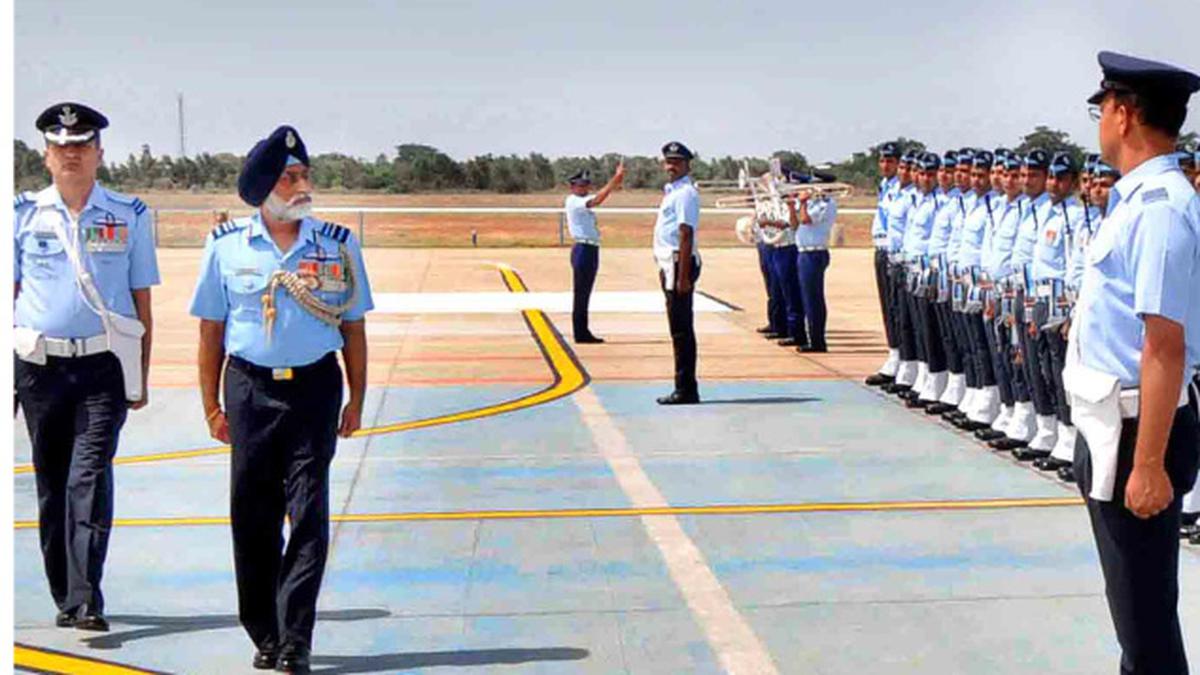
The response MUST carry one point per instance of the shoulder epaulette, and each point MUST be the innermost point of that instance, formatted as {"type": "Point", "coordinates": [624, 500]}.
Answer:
{"type": "Point", "coordinates": [22, 199]}
{"type": "Point", "coordinates": [225, 228]}
{"type": "Point", "coordinates": [1158, 194]}
{"type": "Point", "coordinates": [336, 232]}
{"type": "Point", "coordinates": [139, 207]}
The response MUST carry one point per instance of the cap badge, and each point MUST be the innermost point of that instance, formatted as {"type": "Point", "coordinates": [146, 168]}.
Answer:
{"type": "Point", "coordinates": [290, 140]}
{"type": "Point", "coordinates": [67, 117]}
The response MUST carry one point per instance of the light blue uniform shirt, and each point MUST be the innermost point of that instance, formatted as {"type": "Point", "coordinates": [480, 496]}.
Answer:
{"type": "Point", "coordinates": [976, 225]}
{"type": "Point", "coordinates": [960, 207]}
{"type": "Point", "coordinates": [1077, 261]}
{"type": "Point", "coordinates": [897, 216]}
{"type": "Point", "coordinates": [939, 238]}
{"type": "Point", "coordinates": [920, 224]}
{"type": "Point", "coordinates": [823, 211]}
{"type": "Point", "coordinates": [1063, 221]}
{"type": "Point", "coordinates": [680, 206]}
{"type": "Point", "coordinates": [236, 269]}
{"type": "Point", "coordinates": [114, 235]}
{"type": "Point", "coordinates": [1144, 260]}
{"type": "Point", "coordinates": [997, 251]}
{"type": "Point", "coordinates": [581, 220]}
{"type": "Point", "coordinates": [1033, 215]}
{"type": "Point", "coordinates": [888, 189]}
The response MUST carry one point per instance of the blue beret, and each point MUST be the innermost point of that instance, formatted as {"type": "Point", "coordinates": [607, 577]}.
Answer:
{"type": "Point", "coordinates": [580, 176]}
{"type": "Point", "coordinates": [889, 149]}
{"type": "Point", "coordinates": [949, 159]}
{"type": "Point", "coordinates": [908, 157]}
{"type": "Point", "coordinates": [265, 163]}
{"type": "Point", "coordinates": [67, 123]}
{"type": "Point", "coordinates": [1037, 159]}
{"type": "Point", "coordinates": [1101, 169]}
{"type": "Point", "coordinates": [676, 150]}
{"type": "Point", "coordinates": [1186, 159]}
{"type": "Point", "coordinates": [1013, 161]}
{"type": "Point", "coordinates": [983, 160]}
{"type": "Point", "coordinates": [966, 157]}
{"type": "Point", "coordinates": [1001, 153]}
{"type": "Point", "coordinates": [1062, 163]}
{"type": "Point", "coordinates": [1089, 161]}
{"type": "Point", "coordinates": [1129, 73]}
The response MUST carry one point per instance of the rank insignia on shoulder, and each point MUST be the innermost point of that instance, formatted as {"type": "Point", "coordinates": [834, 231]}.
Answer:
{"type": "Point", "coordinates": [1156, 195]}
{"type": "Point", "coordinates": [224, 229]}
{"type": "Point", "coordinates": [336, 232]}
{"type": "Point", "coordinates": [21, 199]}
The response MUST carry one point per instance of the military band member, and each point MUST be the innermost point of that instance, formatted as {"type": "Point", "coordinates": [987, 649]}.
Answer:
{"type": "Point", "coordinates": [1133, 341]}
{"type": "Point", "coordinates": [889, 188]}
{"type": "Point", "coordinates": [812, 218]}
{"type": "Point", "coordinates": [678, 258]}
{"type": "Point", "coordinates": [279, 294]}
{"type": "Point", "coordinates": [84, 262]}
{"type": "Point", "coordinates": [781, 259]}
{"type": "Point", "coordinates": [585, 252]}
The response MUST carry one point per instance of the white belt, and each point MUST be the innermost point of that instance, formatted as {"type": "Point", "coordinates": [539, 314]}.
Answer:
{"type": "Point", "coordinates": [810, 249]}
{"type": "Point", "coordinates": [589, 242]}
{"type": "Point", "coordinates": [1130, 400]}
{"type": "Point", "coordinates": [74, 347]}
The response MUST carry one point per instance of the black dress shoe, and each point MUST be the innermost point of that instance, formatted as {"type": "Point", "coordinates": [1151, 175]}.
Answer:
{"type": "Point", "coordinates": [589, 340]}
{"type": "Point", "coordinates": [989, 434]}
{"type": "Point", "coordinates": [1029, 454]}
{"type": "Point", "coordinates": [1067, 474]}
{"type": "Point", "coordinates": [1189, 531]}
{"type": "Point", "coordinates": [909, 394]}
{"type": "Point", "coordinates": [813, 349]}
{"type": "Point", "coordinates": [938, 408]}
{"type": "Point", "coordinates": [89, 619]}
{"type": "Point", "coordinates": [973, 426]}
{"type": "Point", "coordinates": [919, 403]}
{"type": "Point", "coordinates": [1050, 464]}
{"type": "Point", "coordinates": [954, 415]}
{"type": "Point", "coordinates": [787, 342]}
{"type": "Point", "coordinates": [772, 335]}
{"type": "Point", "coordinates": [763, 330]}
{"type": "Point", "coordinates": [1007, 443]}
{"type": "Point", "coordinates": [266, 656]}
{"type": "Point", "coordinates": [879, 379]}
{"type": "Point", "coordinates": [895, 388]}
{"type": "Point", "coordinates": [1195, 539]}
{"type": "Point", "coordinates": [293, 658]}
{"type": "Point", "coordinates": [65, 618]}
{"type": "Point", "coordinates": [678, 398]}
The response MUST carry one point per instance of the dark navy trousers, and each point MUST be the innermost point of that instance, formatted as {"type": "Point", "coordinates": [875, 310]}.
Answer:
{"type": "Point", "coordinates": [74, 411]}
{"type": "Point", "coordinates": [585, 263]}
{"type": "Point", "coordinates": [783, 270]}
{"type": "Point", "coordinates": [810, 268]}
{"type": "Point", "coordinates": [284, 434]}
{"type": "Point", "coordinates": [776, 314]}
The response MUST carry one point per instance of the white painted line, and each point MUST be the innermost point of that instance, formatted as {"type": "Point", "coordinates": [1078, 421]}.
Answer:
{"type": "Point", "coordinates": [504, 302]}
{"type": "Point", "coordinates": [736, 646]}
{"type": "Point", "coordinates": [483, 210]}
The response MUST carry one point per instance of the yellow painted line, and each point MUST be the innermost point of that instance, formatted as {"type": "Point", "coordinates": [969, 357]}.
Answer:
{"type": "Point", "coordinates": [569, 377]}
{"type": "Point", "coordinates": [49, 661]}
{"type": "Point", "coordinates": [632, 512]}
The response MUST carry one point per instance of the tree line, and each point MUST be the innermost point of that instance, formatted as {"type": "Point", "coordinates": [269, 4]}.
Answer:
{"type": "Point", "coordinates": [421, 168]}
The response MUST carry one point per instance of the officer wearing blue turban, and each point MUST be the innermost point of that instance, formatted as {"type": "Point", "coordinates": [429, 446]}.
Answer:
{"type": "Point", "coordinates": [279, 294]}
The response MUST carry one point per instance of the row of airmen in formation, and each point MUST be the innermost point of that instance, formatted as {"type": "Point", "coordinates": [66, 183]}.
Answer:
{"type": "Point", "coordinates": [979, 258]}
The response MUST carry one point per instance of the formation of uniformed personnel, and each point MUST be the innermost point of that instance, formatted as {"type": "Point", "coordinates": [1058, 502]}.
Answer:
{"type": "Point", "coordinates": [279, 294]}
{"type": "Point", "coordinates": [678, 259]}
{"type": "Point", "coordinates": [585, 252]}
{"type": "Point", "coordinates": [1134, 341]}
{"type": "Point", "coordinates": [84, 265]}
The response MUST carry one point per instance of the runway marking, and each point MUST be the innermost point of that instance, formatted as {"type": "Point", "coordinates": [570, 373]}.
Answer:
{"type": "Point", "coordinates": [569, 377]}
{"type": "Point", "coordinates": [732, 640]}
{"type": "Point", "coordinates": [42, 660]}
{"type": "Point", "coordinates": [644, 510]}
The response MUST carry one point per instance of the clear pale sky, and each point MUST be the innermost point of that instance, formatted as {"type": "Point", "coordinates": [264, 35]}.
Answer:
{"type": "Point", "coordinates": [566, 78]}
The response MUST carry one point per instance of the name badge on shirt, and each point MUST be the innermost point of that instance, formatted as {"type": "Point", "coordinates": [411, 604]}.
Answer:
{"type": "Point", "coordinates": [106, 234]}
{"type": "Point", "coordinates": [323, 273]}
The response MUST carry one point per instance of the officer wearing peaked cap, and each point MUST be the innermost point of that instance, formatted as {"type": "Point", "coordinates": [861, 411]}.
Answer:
{"type": "Point", "coordinates": [889, 187]}
{"type": "Point", "coordinates": [1132, 342]}
{"type": "Point", "coordinates": [279, 294]}
{"type": "Point", "coordinates": [84, 265]}
{"type": "Point", "coordinates": [678, 262]}
{"type": "Point", "coordinates": [585, 252]}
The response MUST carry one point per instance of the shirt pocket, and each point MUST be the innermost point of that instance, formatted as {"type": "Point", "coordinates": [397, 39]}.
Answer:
{"type": "Point", "coordinates": [43, 257]}
{"type": "Point", "coordinates": [246, 290]}
{"type": "Point", "coordinates": [112, 270]}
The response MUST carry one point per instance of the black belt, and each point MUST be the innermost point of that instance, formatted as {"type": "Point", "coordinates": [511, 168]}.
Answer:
{"type": "Point", "coordinates": [283, 373]}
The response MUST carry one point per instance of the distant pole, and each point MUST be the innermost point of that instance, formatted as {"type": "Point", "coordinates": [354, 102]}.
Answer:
{"type": "Point", "coordinates": [562, 229]}
{"type": "Point", "coordinates": [182, 138]}
{"type": "Point", "coordinates": [361, 231]}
